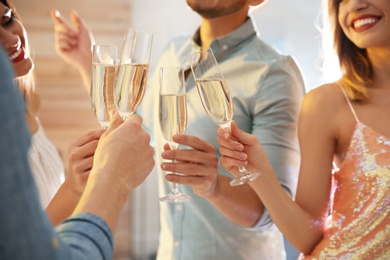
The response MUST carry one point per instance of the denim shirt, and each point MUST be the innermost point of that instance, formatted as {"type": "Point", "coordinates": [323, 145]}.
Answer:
{"type": "Point", "coordinates": [267, 89]}
{"type": "Point", "coordinates": [25, 230]}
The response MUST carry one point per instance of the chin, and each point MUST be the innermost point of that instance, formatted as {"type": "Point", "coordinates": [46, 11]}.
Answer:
{"type": "Point", "coordinates": [23, 68]}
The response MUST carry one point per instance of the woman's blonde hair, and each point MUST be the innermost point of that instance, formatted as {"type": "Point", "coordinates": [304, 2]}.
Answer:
{"type": "Point", "coordinates": [355, 65]}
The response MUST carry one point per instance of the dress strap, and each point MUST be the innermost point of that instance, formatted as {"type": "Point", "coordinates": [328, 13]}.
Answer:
{"type": "Point", "coordinates": [349, 102]}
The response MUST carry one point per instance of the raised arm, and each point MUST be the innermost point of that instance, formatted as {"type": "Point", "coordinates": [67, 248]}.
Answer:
{"type": "Point", "coordinates": [73, 42]}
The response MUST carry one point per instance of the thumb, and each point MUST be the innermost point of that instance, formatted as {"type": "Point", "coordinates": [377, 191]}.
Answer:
{"type": "Point", "coordinates": [115, 121]}
{"type": "Point", "coordinates": [241, 136]}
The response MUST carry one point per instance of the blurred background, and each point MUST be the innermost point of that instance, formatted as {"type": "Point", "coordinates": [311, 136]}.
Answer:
{"type": "Point", "coordinates": [290, 26]}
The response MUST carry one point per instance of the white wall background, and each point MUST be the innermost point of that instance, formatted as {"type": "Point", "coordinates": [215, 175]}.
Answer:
{"type": "Point", "coordinates": [289, 25]}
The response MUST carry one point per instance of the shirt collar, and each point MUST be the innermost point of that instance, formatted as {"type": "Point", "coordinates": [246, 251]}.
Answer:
{"type": "Point", "coordinates": [228, 42]}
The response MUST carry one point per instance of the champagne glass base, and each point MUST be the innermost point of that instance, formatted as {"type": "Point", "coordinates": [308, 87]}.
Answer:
{"type": "Point", "coordinates": [243, 179]}
{"type": "Point", "coordinates": [175, 198]}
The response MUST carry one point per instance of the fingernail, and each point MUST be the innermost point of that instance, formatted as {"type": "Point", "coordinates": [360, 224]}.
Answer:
{"type": "Point", "coordinates": [239, 147]}
{"type": "Point", "coordinates": [226, 136]}
{"type": "Point", "coordinates": [163, 166]}
{"type": "Point", "coordinates": [57, 13]}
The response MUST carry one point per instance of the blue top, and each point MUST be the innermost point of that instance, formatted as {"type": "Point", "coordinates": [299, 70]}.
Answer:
{"type": "Point", "coordinates": [267, 89]}
{"type": "Point", "coordinates": [25, 230]}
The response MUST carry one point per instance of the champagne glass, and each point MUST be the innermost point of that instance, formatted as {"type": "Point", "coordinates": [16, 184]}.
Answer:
{"type": "Point", "coordinates": [104, 64]}
{"type": "Point", "coordinates": [133, 70]}
{"type": "Point", "coordinates": [173, 116]}
{"type": "Point", "coordinates": [216, 99]}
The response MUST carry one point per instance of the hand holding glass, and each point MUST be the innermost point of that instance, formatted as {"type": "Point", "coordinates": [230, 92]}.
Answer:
{"type": "Point", "coordinates": [132, 71]}
{"type": "Point", "coordinates": [104, 64]}
{"type": "Point", "coordinates": [216, 98]}
{"type": "Point", "coordinates": [173, 116]}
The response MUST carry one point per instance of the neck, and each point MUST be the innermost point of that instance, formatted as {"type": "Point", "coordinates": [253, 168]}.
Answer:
{"type": "Point", "coordinates": [380, 59]}
{"type": "Point", "coordinates": [211, 29]}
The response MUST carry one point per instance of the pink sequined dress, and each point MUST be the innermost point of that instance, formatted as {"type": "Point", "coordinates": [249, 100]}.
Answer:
{"type": "Point", "coordinates": [360, 220]}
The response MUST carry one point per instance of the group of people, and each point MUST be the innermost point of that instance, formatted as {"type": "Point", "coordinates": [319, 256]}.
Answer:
{"type": "Point", "coordinates": [325, 214]}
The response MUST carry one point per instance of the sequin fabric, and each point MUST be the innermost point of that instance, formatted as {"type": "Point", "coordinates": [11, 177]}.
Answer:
{"type": "Point", "coordinates": [360, 220]}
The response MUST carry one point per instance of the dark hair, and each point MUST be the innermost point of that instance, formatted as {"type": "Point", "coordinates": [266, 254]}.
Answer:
{"type": "Point", "coordinates": [10, 5]}
{"type": "Point", "coordinates": [354, 62]}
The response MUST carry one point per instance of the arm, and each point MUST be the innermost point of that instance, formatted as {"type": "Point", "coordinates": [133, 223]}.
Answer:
{"type": "Point", "coordinates": [73, 43]}
{"type": "Point", "coordinates": [122, 161]}
{"type": "Point", "coordinates": [199, 168]}
{"type": "Point", "coordinates": [301, 222]}
{"type": "Point", "coordinates": [115, 173]}
{"type": "Point", "coordinates": [81, 154]}
{"type": "Point", "coordinates": [275, 118]}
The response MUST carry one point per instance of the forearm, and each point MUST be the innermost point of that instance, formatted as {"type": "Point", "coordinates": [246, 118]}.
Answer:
{"type": "Point", "coordinates": [98, 199]}
{"type": "Point", "coordinates": [85, 71]}
{"type": "Point", "coordinates": [63, 204]}
{"type": "Point", "coordinates": [301, 230]}
{"type": "Point", "coordinates": [240, 204]}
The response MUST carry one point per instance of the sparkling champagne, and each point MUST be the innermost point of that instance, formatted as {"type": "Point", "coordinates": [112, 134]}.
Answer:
{"type": "Point", "coordinates": [173, 115]}
{"type": "Point", "coordinates": [216, 100]}
{"type": "Point", "coordinates": [130, 87]}
{"type": "Point", "coordinates": [102, 92]}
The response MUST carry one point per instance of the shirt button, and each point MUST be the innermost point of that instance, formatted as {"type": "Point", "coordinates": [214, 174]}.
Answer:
{"type": "Point", "coordinates": [179, 207]}
{"type": "Point", "coordinates": [176, 244]}
{"type": "Point", "coordinates": [225, 47]}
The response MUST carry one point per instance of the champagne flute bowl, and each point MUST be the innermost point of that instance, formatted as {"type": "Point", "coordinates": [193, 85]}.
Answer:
{"type": "Point", "coordinates": [216, 98]}
{"type": "Point", "coordinates": [104, 65]}
{"type": "Point", "coordinates": [133, 71]}
{"type": "Point", "coordinates": [172, 116]}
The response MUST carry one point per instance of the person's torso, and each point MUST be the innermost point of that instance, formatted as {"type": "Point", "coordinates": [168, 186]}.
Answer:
{"type": "Point", "coordinates": [196, 229]}
{"type": "Point", "coordinates": [46, 165]}
{"type": "Point", "coordinates": [359, 224]}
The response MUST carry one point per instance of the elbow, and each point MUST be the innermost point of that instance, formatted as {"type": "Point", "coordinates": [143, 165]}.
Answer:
{"type": "Point", "coordinates": [307, 246]}
{"type": "Point", "coordinates": [249, 219]}
{"type": "Point", "coordinates": [252, 219]}
{"type": "Point", "coordinates": [305, 250]}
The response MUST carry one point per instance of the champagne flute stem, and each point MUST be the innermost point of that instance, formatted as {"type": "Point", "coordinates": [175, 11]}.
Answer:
{"type": "Point", "coordinates": [243, 171]}
{"type": "Point", "coordinates": [175, 189]}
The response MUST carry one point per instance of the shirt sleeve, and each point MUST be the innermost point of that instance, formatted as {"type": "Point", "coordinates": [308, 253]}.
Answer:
{"type": "Point", "coordinates": [87, 236]}
{"type": "Point", "coordinates": [25, 230]}
{"type": "Point", "coordinates": [276, 113]}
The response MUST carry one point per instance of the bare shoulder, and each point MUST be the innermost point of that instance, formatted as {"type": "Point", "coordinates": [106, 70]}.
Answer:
{"type": "Point", "coordinates": [324, 101]}
{"type": "Point", "coordinates": [323, 111]}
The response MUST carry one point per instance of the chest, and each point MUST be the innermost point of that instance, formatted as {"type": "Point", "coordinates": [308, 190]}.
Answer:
{"type": "Point", "coordinates": [375, 115]}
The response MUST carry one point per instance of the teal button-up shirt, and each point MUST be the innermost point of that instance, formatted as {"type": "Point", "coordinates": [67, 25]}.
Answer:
{"type": "Point", "coordinates": [267, 89]}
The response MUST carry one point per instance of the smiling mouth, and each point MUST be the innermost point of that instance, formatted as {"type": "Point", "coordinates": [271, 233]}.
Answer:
{"type": "Point", "coordinates": [364, 23]}
{"type": "Point", "coordinates": [17, 55]}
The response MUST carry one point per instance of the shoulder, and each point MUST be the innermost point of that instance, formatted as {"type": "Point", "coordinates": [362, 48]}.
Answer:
{"type": "Point", "coordinates": [324, 102]}
{"type": "Point", "coordinates": [327, 95]}
{"type": "Point", "coordinates": [275, 62]}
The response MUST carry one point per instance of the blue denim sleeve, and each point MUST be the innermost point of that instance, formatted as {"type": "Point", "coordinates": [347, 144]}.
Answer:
{"type": "Point", "coordinates": [87, 235]}
{"type": "Point", "coordinates": [25, 230]}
